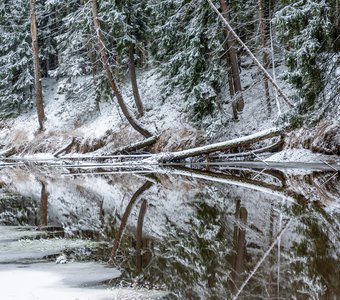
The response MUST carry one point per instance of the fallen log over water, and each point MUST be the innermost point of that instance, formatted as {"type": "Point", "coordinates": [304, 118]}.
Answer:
{"type": "Point", "coordinates": [222, 146]}
{"type": "Point", "coordinates": [137, 146]}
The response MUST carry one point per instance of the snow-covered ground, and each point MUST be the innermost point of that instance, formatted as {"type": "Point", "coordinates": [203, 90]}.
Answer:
{"type": "Point", "coordinates": [72, 113]}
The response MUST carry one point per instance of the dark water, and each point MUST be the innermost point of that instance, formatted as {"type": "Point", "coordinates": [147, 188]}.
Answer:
{"type": "Point", "coordinates": [196, 234]}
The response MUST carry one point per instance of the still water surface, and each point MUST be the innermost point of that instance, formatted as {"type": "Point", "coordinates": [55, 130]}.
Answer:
{"type": "Point", "coordinates": [177, 234]}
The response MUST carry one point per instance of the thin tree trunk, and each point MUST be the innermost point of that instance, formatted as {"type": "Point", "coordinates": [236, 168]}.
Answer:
{"type": "Point", "coordinates": [133, 122]}
{"type": "Point", "coordinates": [132, 69]}
{"type": "Point", "coordinates": [337, 15]}
{"type": "Point", "coordinates": [273, 64]}
{"type": "Point", "coordinates": [256, 61]}
{"type": "Point", "coordinates": [232, 53]}
{"type": "Point", "coordinates": [39, 100]}
{"type": "Point", "coordinates": [265, 60]}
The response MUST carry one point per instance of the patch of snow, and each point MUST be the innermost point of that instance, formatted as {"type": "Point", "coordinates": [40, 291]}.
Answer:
{"type": "Point", "coordinates": [299, 155]}
{"type": "Point", "coordinates": [55, 282]}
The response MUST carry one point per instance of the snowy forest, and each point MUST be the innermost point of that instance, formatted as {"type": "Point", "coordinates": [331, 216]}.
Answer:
{"type": "Point", "coordinates": [103, 74]}
{"type": "Point", "coordinates": [169, 149]}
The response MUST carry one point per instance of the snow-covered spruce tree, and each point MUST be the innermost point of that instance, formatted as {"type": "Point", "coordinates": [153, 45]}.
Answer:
{"type": "Point", "coordinates": [188, 46]}
{"type": "Point", "coordinates": [16, 66]}
{"type": "Point", "coordinates": [74, 36]}
{"type": "Point", "coordinates": [304, 27]}
{"type": "Point", "coordinates": [49, 17]}
{"type": "Point", "coordinates": [125, 26]}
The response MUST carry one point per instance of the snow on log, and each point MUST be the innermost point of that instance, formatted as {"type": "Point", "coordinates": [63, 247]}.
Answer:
{"type": "Point", "coordinates": [136, 146]}
{"type": "Point", "coordinates": [221, 146]}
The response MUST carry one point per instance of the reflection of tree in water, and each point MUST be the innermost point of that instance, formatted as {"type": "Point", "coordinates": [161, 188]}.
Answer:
{"type": "Point", "coordinates": [211, 257]}
{"type": "Point", "coordinates": [17, 210]}
{"type": "Point", "coordinates": [314, 259]}
{"type": "Point", "coordinates": [192, 262]}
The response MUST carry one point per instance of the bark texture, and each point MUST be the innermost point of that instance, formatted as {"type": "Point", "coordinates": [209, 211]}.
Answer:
{"type": "Point", "coordinates": [264, 41]}
{"type": "Point", "coordinates": [133, 77]}
{"type": "Point", "coordinates": [232, 59]}
{"type": "Point", "coordinates": [39, 101]}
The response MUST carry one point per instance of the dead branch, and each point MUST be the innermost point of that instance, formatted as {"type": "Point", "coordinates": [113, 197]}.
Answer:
{"type": "Point", "coordinates": [66, 148]}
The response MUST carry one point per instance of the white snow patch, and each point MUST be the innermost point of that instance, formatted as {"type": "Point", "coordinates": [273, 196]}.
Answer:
{"type": "Point", "coordinates": [298, 155]}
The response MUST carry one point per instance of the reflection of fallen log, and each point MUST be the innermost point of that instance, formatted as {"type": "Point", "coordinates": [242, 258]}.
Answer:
{"type": "Point", "coordinates": [257, 185]}
{"type": "Point", "coordinates": [119, 233]}
{"type": "Point", "coordinates": [222, 146]}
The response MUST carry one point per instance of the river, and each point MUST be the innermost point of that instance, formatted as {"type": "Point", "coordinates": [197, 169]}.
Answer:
{"type": "Point", "coordinates": [213, 232]}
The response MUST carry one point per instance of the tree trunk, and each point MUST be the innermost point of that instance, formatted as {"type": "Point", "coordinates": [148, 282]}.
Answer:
{"type": "Point", "coordinates": [39, 101]}
{"type": "Point", "coordinates": [112, 81]}
{"type": "Point", "coordinates": [337, 14]}
{"type": "Point", "coordinates": [132, 69]}
{"type": "Point", "coordinates": [256, 61]}
{"type": "Point", "coordinates": [232, 54]}
{"type": "Point", "coordinates": [265, 60]}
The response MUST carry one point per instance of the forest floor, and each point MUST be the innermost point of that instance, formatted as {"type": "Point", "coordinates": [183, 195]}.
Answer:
{"type": "Point", "coordinates": [72, 112]}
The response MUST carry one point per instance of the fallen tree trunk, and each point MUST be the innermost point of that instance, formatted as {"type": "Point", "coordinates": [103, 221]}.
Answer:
{"type": "Point", "coordinates": [277, 146]}
{"type": "Point", "coordinates": [65, 149]}
{"type": "Point", "coordinates": [7, 152]}
{"type": "Point", "coordinates": [137, 146]}
{"type": "Point", "coordinates": [222, 146]}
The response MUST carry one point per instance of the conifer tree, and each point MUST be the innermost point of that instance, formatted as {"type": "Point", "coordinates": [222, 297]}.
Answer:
{"type": "Point", "coordinates": [304, 28]}
{"type": "Point", "coordinates": [15, 57]}
{"type": "Point", "coordinates": [188, 46]}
